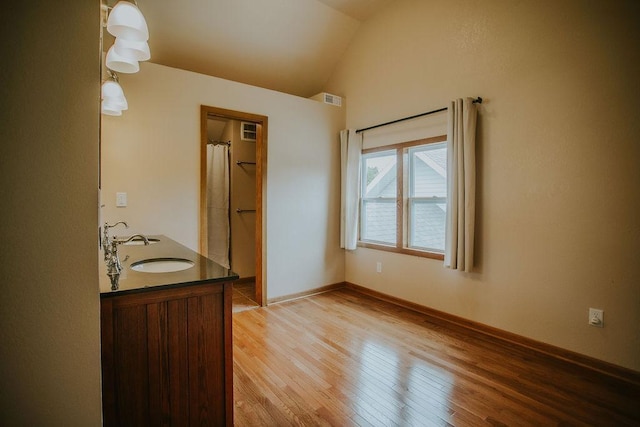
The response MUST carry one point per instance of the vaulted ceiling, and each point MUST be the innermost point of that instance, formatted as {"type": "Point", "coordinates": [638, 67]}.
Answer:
{"type": "Point", "coordinates": [291, 46]}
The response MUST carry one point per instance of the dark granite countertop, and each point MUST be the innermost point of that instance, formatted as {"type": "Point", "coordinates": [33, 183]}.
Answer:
{"type": "Point", "coordinates": [203, 271]}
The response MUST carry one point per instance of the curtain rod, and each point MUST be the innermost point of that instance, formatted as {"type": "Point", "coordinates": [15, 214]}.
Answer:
{"type": "Point", "coordinates": [478, 100]}
{"type": "Point", "coordinates": [212, 142]}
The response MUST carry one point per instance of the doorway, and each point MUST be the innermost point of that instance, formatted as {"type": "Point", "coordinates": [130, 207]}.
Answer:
{"type": "Point", "coordinates": [252, 132]}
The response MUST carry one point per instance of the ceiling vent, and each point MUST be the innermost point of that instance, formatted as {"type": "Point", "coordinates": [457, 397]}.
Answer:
{"type": "Point", "coordinates": [327, 98]}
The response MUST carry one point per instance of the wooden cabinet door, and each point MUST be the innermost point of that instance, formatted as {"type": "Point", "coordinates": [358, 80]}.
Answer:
{"type": "Point", "coordinates": [166, 357]}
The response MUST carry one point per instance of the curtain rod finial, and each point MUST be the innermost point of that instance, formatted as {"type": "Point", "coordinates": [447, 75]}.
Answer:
{"type": "Point", "coordinates": [478, 100]}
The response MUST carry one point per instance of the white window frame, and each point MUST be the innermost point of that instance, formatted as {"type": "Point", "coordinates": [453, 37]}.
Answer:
{"type": "Point", "coordinates": [403, 200]}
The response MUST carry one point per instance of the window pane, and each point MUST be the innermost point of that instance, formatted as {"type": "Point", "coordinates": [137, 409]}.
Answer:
{"type": "Point", "coordinates": [379, 174]}
{"type": "Point", "coordinates": [379, 221]}
{"type": "Point", "coordinates": [427, 228]}
{"type": "Point", "coordinates": [428, 170]}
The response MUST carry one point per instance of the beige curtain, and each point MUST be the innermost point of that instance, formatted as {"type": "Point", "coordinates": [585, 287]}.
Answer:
{"type": "Point", "coordinates": [461, 184]}
{"type": "Point", "coordinates": [218, 233]}
{"type": "Point", "coordinates": [350, 154]}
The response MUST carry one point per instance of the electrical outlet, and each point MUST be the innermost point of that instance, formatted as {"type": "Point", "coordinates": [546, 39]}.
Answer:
{"type": "Point", "coordinates": [379, 267]}
{"type": "Point", "coordinates": [596, 317]}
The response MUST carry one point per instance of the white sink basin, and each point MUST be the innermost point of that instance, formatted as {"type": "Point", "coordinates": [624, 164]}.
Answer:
{"type": "Point", "coordinates": [161, 265]}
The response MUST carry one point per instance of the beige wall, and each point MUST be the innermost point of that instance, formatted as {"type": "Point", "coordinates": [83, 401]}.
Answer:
{"type": "Point", "coordinates": [49, 304]}
{"type": "Point", "coordinates": [558, 157]}
{"type": "Point", "coordinates": [152, 153]}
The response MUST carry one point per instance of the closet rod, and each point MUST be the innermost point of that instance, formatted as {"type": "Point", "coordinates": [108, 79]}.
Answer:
{"type": "Point", "coordinates": [245, 210]}
{"type": "Point", "coordinates": [240, 163]}
{"type": "Point", "coordinates": [478, 100]}
{"type": "Point", "coordinates": [212, 142]}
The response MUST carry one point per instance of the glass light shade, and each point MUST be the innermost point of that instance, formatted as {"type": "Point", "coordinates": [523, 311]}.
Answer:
{"type": "Point", "coordinates": [132, 49]}
{"type": "Point", "coordinates": [110, 110]}
{"type": "Point", "coordinates": [111, 89]}
{"type": "Point", "coordinates": [122, 64]}
{"type": "Point", "coordinates": [126, 21]}
{"type": "Point", "coordinates": [113, 95]}
{"type": "Point", "coordinates": [120, 104]}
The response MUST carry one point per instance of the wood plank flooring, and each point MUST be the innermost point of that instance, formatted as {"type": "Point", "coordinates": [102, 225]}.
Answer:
{"type": "Point", "coordinates": [244, 296]}
{"type": "Point", "coordinates": [345, 359]}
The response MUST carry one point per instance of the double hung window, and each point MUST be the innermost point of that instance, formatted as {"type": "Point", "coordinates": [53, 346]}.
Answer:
{"type": "Point", "coordinates": [404, 197]}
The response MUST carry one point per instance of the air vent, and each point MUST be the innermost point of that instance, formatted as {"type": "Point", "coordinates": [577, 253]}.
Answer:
{"type": "Point", "coordinates": [248, 131]}
{"type": "Point", "coordinates": [328, 98]}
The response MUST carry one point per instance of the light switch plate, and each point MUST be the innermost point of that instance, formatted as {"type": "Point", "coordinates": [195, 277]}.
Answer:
{"type": "Point", "coordinates": [121, 200]}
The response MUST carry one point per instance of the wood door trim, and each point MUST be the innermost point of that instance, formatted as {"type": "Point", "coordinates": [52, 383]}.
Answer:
{"type": "Point", "coordinates": [261, 187]}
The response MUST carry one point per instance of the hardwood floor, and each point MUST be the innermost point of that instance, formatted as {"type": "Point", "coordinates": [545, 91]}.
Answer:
{"type": "Point", "coordinates": [244, 296]}
{"type": "Point", "coordinates": [345, 359]}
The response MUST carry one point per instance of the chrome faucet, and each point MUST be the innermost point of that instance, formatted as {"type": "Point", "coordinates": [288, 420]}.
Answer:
{"type": "Point", "coordinates": [105, 242]}
{"type": "Point", "coordinates": [114, 266]}
{"type": "Point", "coordinates": [135, 236]}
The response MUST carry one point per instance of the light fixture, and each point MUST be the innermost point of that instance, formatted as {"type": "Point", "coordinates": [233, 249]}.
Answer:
{"type": "Point", "coordinates": [110, 110]}
{"type": "Point", "coordinates": [127, 24]}
{"type": "Point", "coordinates": [126, 21]}
{"type": "Point", "coordinates": [121, 64]}
{"type": "Point", "coordinates": [113, 100]}
{"type": "Point", "coordinates": [132, 49]}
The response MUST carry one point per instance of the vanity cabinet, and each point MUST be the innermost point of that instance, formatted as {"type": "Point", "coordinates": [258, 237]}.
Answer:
{"type": "Point", "coordinates": [167, 356]}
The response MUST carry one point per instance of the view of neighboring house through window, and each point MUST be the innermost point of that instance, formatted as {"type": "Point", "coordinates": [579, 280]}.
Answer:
{"type": "Point", "coordinates": [404, 197]}
{"type": "Point", "coordinates": [379, 196]}
{"type": "Point", "coordinates": [427, 196]}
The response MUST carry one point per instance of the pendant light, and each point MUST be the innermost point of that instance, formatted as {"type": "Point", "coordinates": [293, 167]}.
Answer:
{"type": "Point", "coordinates": [132, 49]}
{"type": "Point", "coordinates": [121, 63]}
{"type": "Point", "coordinates": [126, 21]}
{"type": "Point", "coordinates": [113, 99]}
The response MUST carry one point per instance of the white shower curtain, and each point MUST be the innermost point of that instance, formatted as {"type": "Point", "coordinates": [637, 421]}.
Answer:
{"type": "Point", "coordinates": [461, 184]}
{"type": "Point", "coordinates": [218, 232]}
{"type": "Point", "coordinates": [351, 152]}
